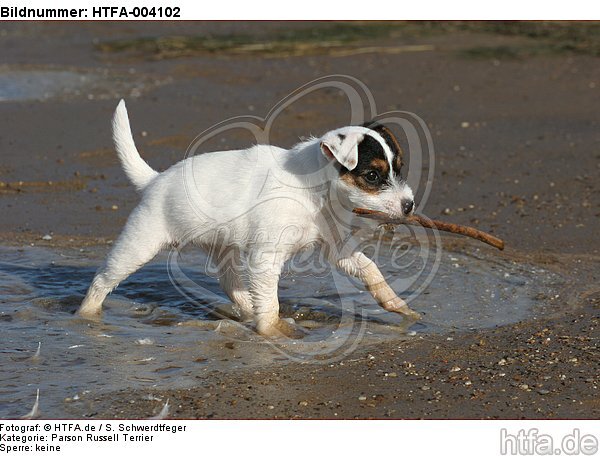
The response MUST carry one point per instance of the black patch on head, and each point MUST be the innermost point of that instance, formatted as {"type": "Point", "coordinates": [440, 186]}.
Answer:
{"type": "Point", "coordinates": [369, 149]}
{"type": "Point", "coordinates": [391, 141]}
{"type": "Point", "coordinates": [371, 159]}
{"type": "Point", "coordinates": [341, 136]}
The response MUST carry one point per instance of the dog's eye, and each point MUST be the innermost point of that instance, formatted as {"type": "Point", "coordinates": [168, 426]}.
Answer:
{"type": "Point", "coordinates": [372, 177]}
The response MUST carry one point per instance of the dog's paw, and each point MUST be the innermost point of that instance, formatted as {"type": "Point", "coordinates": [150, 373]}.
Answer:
{"type": "Point", "coordinates": [398, 305]}
{"type": "Point", "coordinates": [86, 314]}
{"type": "Point", "coordinates": [281, 328]}
{"type": "Point", "coordinates": [410, 314]}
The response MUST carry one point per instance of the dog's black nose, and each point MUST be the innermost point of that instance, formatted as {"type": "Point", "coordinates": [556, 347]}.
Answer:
{"type": "Point", "coordinates": [407, 206]}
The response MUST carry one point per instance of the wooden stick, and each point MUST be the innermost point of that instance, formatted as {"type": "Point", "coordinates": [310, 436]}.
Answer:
{"type": "Point", "coordinates": [428, 223]}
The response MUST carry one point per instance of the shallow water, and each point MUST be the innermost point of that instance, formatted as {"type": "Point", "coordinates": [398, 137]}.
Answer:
{"type": "Point", "coordinates": [18, 84]}
{"type": "Point", "coordinates": [159, 327]}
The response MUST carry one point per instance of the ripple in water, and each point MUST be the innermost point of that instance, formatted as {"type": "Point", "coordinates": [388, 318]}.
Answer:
{"type": "Point", "coordinates": [152, 335]}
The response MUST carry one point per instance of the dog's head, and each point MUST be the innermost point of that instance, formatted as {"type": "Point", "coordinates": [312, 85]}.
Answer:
{"type": "Point", "coordinates": [369, 160]}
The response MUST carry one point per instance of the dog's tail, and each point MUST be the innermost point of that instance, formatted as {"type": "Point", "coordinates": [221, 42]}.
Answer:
{"type": "Point", "coordinates": [138, 171]}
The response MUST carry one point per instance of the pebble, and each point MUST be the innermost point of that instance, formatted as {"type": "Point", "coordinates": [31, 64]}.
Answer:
{"type": "Point", "coordinates": [362, 398]}
{"type": "Point", "coordinates": [543, 391]}
{"type": "Point", "coordinates": [145, 341]}
{"type": "Point", "coordinates": [303, 403]}
{"type": "Point", "coordinates": [47, 237]}
{"type": "Point", "coordinates": [455, 369]}
{"type": "Point", "coordinates": [465, 124]}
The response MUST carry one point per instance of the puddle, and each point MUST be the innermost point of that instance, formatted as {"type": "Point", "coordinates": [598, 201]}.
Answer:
{"type": "Point", "coordinates": [153, 335]}
{"type": "Point", "coordinates": [21, 84]}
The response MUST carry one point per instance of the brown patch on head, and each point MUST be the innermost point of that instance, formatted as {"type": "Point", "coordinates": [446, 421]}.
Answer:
{"type": "Point", "coordinates": [380, 165]}
{"type": "Point", "coordinates": [397, 163]}
{"type": "Point", "coordinates": [359, 182]}
{"type": "Point", "coordinates": [394, 145]}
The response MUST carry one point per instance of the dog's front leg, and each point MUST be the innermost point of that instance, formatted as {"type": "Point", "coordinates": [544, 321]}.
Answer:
{"type": "Point", "coordinates": [263, 282]}
{"type": "Point", "coordinates": [363, 268]}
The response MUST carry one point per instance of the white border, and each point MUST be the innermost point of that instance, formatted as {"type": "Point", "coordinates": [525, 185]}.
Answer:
{"type": "Point", "coordinates": [302, 438]}
{"type": "Point", "coordinates": [349, 9]}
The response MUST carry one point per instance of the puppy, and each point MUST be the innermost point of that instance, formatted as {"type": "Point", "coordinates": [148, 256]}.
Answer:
{"type": "Point", "coordinates": [253, 209]}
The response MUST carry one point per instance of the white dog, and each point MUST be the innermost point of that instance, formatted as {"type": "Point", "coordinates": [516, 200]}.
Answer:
{"type": "Point", "coordinates": [253, 209]}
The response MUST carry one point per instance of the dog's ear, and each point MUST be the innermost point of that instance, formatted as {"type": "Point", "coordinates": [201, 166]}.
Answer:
{"type": "Point", "coordinates": [342, 147]}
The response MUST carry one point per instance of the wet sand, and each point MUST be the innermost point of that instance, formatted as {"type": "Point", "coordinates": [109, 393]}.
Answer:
{"type": "Point", "coordinates": [546, 368]}
{"type": "Point", "coordinates": [517, 149]}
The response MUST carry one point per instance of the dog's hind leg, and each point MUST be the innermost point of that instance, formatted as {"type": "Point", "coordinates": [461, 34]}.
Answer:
{"type": "Point", "coordinates": [232, 283]}
{"type": "Point", "coordinates": [139, 242]}
{"type": "Point", "coordinates": [361, 267]}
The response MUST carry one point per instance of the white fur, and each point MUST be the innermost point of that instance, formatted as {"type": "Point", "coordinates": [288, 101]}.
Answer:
{"type": "Point", "coordinates": [137, 170]}
{"type": "Point", "coordinates": [252, 210]}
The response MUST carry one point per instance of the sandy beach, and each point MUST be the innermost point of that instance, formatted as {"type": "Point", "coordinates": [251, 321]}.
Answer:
{"type": "Point", "coordinates": [515, 122]}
